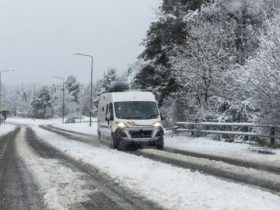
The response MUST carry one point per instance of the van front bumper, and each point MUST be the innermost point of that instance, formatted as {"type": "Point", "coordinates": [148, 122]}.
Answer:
{"type": "Point", "coordinates": [141, 140]}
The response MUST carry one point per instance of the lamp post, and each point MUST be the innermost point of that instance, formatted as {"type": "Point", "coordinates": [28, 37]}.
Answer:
{"type": "Point", "coordinates": [91, 74]}
{"type": "Point", "coordinates": [1, 84]}
{"type": "Point", "coordinates": [63, 93]}
{"type": "Point", "coordinates": [81, 102]}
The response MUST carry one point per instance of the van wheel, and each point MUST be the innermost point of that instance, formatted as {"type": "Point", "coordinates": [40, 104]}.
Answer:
{"type": "Point", "coordinates": [160, 144]}
{"type": "Point", "coordinates": [99, 136]}
{"type": "Point", "coordinates": [122, 146]}
{"type": "Point", "coordinates": [114, 141]}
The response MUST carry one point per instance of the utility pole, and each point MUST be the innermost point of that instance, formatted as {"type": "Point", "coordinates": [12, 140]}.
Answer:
{"type": "Point", "coordinates": [34, 90]}
{"type": "Point", "coordinates": [63, 97]}
{"type": "Point", "coordinates": [81, 102]}
{"type": "Point", "coordinates": [91, 77]}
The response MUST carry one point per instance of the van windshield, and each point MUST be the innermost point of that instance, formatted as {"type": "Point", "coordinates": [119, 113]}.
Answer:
{"type": "Point", "coordinates": [136, 110]}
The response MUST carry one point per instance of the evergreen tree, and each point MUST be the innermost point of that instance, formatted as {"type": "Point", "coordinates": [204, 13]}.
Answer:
{"type": "Point", "coordinates": [73, 87]}
{"type": "Point", "coordinates": [193, 53]}
{"type": "Point", "coordinates": [109, 77]}
{"type": "Point", "coordinates": [41, 101]}
{"type": "Point", "coordinates": [103, 85]}
{"type": "Point", "coordinates": [163, 41]}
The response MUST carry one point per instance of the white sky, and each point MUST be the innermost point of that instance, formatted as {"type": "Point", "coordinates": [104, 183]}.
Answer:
{"type": "Point", "coordinates": [38, 37]}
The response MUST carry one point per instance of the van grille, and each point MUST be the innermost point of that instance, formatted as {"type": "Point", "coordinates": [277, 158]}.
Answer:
{"type": "Point", "coordinates": [141, 134]}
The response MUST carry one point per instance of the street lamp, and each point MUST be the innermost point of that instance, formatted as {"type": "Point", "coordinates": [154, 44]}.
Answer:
{"type": "Point", "coordinates": [63, 91]}
{"type": "Point", "coordinates": [91, 73]}
{"type": "Point", "coordinates": [1, 84]}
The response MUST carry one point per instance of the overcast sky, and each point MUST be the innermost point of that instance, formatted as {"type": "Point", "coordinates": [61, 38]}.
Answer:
{"type": "Point", "coordinates": [38, 38]}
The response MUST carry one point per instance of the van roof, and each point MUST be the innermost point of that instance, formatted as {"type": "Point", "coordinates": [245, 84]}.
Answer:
{"type": "Point", "coordinates": [132, 96]}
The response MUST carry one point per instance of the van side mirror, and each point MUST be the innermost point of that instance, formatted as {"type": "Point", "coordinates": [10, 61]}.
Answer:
{"type": "Point", "coordinates": [162, 116]}
{"type": "Point", "coordinates": [109, 117]}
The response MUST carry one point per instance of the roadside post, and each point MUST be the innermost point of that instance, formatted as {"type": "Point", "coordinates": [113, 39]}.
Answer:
{"type": "Point", "coordinates": [272, 133]}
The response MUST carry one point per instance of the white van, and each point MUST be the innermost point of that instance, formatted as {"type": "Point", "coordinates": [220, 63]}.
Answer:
{"type": "Point", "coordinates": [129, 117]}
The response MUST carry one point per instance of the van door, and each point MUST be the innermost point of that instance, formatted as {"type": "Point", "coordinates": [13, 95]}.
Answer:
{"type": "Point", "coordinates": [109, 119]}
{"type": "Point", "coordinates": [102, 123]}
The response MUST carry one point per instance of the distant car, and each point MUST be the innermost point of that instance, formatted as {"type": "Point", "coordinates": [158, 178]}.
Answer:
{"type": "Point", "coordinates": [70, 120]}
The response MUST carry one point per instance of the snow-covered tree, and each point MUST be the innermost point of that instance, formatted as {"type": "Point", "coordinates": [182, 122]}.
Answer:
{"type": "Point", "coordinates": [263, 73]}
{"type": "Point", "coordinates": [73, 88]}
{"type": "Point", "coordinates": [41, 103]}
{"type": "Point", "coordinates": [194, 52]}
{"type": "Point", "coordinates": [17, 99]}
{"type": "Point", "coordinates": [109, 77]}
{"type": "Point", "coordinates": [103, 85]}
{"type": "Point", "coordinates": [71, 97]}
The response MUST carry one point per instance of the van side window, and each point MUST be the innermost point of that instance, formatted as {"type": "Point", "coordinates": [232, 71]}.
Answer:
{"type": "Point", "coordinates": [106, 109]}
{"type": "Point", "coordinates": [103, 109]}
{"type": "Point", "coordinates": [111, 108]}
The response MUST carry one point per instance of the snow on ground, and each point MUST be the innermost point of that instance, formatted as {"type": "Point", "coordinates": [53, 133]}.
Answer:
{"type": "Point", "coordinates": [6, 128]}
{"type": "Point", "coordinates": [31, 122]}
{"type": "Point", "coordinates": [172, 187]}
{"type": "Point", "coordinates": [206, 145]}
{"type": "Point", "coordinates": [80, 127]}
{"type": "Point", "coordinates": [34, 122]}
{"type": "Point", "coordinates": [218, 165]}
{"type": "Point", "coordinates": [203, 145]}
{"type": "Point", "coordinates": [60, 186]}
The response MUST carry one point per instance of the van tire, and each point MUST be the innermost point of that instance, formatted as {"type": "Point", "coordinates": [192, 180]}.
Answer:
{"type": "Point", "coordinates": [99, 136]}
{"type": "Point", "coordinates": [114, 141]}
{"type": "Point", "coordinates": [122, 146]}
{"type": "Point", "coordinates": [160, 144]}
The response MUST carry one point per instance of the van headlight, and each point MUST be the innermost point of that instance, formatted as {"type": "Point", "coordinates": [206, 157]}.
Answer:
{"type": "Point", "coordinates": [121, 125]}
{"type": "Point", "coordinates": [157, 125]}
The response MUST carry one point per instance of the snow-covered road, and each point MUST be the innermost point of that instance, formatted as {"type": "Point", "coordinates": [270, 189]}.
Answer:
{"type": "Point", "coordinates": [6, 128]}
{"type": "Point", "coordinates": [172, 187]}
{"type": "Point", "coordinates": [66, 183]}
{"type": "Point", "coordinates": [17, 189]}
{"type": "Point", "coordinates": [68, 169]}
{"type": "Point", "coordinates": [249, 172]}
{"type": "Point", "coordinates": [200, 145]}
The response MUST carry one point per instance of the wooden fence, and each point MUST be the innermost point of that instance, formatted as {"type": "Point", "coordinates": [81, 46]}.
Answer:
{"type": "Point", "coordinates": [229, 129]}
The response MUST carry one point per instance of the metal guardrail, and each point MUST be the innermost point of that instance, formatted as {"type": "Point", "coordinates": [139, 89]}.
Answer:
{"type": "Point", "coordinates": [231, 129]}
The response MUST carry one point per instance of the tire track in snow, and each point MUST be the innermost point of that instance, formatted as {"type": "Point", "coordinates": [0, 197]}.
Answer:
{"type": "Point", "coordinates": [234, 170]}
{"type": "Point", "coordinates": [17, 188]}
{"type": "Point", "coordinates": [73, 135]}
{"type": "Point", "coordinates": [232, 161]}
{"type": "Point", "coordinates": [3, 150]}
{"type": "Point", "coordinates": [108, 194]}
{"type": "Point", "coordinates": [253, 177]}
{"type": "Point", "coordinates": [243, 163]}
{"type": "Point", "coordinates": [236, 162]}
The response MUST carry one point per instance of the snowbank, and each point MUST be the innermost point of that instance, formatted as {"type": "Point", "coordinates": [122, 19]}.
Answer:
{"type": "Point", "coordinates": [6, 128]}
{"type": "Point", "coordinates": [205, 145]}
{"type": "Point", "coordinates": [31, 122]}
{"type": "Point", "coordinates": [79, 127]}
{"type": "Point", "coordinates": [34, 122]}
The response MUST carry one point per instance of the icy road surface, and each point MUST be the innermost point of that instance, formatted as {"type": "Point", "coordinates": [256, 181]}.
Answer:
{"type": "Point", "coordinates": [80, 173]}
{"type": "Point", "coordinates": [172, 187]}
